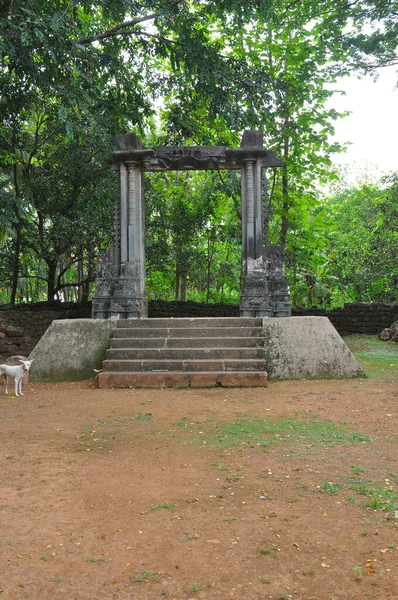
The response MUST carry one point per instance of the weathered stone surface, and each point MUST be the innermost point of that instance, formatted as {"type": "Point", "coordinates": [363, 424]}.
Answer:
{"type": "Point", "coordinates": [295, 348]}
{"type": "Point", "coordinates": [143, 380]}
{"type": "Point", "coordinates": [70, 350]}
{"type": "Point", "coordinates": [120, 285]}
{"type": "Point", "coordinates": [181, 380]}
{"type": "Point", "coordinates": [265, 290]}
{"type": "Point", "coordinates": [385, 334]}
{"type": "Point", "coordinates": [258, 379]}
{"type": "Point", "coordinates": [307, 348]}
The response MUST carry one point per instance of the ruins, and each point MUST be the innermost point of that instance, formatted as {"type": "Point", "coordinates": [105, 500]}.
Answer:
{"type": "Point", "coordinates": [120, 285]}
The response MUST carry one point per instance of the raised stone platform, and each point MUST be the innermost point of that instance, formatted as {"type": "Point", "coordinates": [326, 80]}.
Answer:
{"type": "Point", "coordinates": [284, 348]}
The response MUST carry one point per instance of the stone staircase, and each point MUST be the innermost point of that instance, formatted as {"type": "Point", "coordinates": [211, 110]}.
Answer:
{"type": "Point", "coordinates": [183, 353]}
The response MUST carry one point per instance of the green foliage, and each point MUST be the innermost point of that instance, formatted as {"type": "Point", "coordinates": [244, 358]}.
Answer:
{"type": "Point", "coordinates": [73, 75]}
{"type": "Point", "coordinates": [257, 432]}
{"type": "Point", "coordinates": [193, 229]}
{"type": "Point", "coordinates": [365, 241]}
{"type": "Point", "coordinates": [377, 358]}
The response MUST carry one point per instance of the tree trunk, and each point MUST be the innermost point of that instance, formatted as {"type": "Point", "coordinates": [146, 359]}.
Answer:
{"type": "Point", "coordinates": [16, 262]}
{"type": "Point", "coordinates": [184, 287]}
{"type": "Point", "coordinates": [18, 236]}
{"type": "Point", "coordinates": [51, 281]}
{"type": "Point", "coordinates": [177, 288]}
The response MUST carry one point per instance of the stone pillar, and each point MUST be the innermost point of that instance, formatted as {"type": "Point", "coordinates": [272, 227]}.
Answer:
{"type": "Point", "coordinates": [264, 285]}
{"type": "Point", "coordinates": [257, 206]}
{"type": "Point", "coordinates": [120, 285]}
{"type": "Point", "coordinates": [124, 200]}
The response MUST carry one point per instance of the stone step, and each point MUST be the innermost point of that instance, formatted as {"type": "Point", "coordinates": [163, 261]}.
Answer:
{"type": "Point", "coordinates": [195, 352]}
{"type": "Point", "coordinates": [169, 323]}
{"type": "Point", "coordinates": [244, 364]}
{"type": "Point", "coordinates": [186, 332]}
{"type": "Point", "coordinates": [189, 342]}
{"type": "Point", "coordinates": [187, 379]}
{"type": "Point", "coordinates": [184, 354]}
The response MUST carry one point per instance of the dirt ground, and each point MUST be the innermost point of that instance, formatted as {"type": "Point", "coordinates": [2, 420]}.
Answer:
{"type": "Point", "coordinates": [289, 491]}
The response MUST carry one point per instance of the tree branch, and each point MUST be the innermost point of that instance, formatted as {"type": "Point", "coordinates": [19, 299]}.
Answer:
{"type": "Point", "coordinates": [121, 29]}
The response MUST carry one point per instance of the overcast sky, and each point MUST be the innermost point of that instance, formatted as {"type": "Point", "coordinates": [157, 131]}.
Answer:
{"type": "Point", "coordinates": [372, 126]}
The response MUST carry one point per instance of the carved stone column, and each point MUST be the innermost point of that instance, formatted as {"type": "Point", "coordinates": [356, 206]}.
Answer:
{"type": "Point", "coordinates": [120, 285]}
{"type": "Point", "coordinates": [264, 286]}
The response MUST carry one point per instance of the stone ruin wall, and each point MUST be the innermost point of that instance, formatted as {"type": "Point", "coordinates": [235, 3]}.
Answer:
{"type": "Point", "coordinates": [22, 327]}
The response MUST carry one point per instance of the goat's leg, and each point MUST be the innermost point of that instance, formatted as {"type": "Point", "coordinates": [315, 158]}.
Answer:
{"type": "Point", "coordinates": [6, 385]}
{"type": "Point", "coordinates": [20, 386]}
{"type": "Point", "coordinates": [16, 381]}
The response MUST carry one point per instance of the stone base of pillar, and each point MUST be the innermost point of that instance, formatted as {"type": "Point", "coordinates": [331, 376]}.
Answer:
{"type": "Point", "coordinates": [119, 307]}
{"type": "Point", "coordinates": [265, 290]}
{"type": "Point", "coordinates": [117, 295]}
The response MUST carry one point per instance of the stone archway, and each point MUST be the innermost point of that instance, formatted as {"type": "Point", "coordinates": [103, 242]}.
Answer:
{"type": "Point", "coordinates": [120, 285]}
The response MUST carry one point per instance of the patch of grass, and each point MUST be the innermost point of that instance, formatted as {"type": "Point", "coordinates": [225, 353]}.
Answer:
{"type": "Point", "coordinates": [116, 421]}
{"type": "Point", "coordinates": [195, 589]}
{"type": "Point", "coordinates": [357, 572]}
{"type": "Point", "coordinates": [234, 478]}
{"type": "Point", "coordinates": [144, 417]}
{"type": "Point", "coordinates": [261, 433]}
{"type": "Point", "coordinates": [380, 495]}
{"type": "Point", "coordinates": [330, 487]}
{"type": "Point", "coordinates": [90, 439]}
{"type": "Point", "coordinates": [166, 505]}
{"type": "Point", "coordinates": [377, 358]}
{"type": "Point", "coordinates": [358, 470]}
{"type": "Point", "coordinates": [147, 575]}
{"type": "Point", "coordinates": [189, 537]}
{"type": "Point", "coordinates": [96, 560]}
{"type": "Point", "coordinates": [265, 550]}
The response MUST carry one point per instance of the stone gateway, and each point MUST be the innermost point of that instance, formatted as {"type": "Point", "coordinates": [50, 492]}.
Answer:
{"type": "Point", "coordinates": [120, 285]}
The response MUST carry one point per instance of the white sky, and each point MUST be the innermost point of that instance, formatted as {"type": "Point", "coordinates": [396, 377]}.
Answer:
{"type": "Point", "coordinates": [372, 126]}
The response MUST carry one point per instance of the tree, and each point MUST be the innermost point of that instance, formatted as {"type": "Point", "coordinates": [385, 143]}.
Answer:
{"type": "Point", "coordinates": [61, 201]}
{"type": "Point", "coordinates": [365, 241]}
{"type": "Point", "coordinates": [194, 236]}
{"type": "Point", "coordinates": [371, 42]}
{"type": "Point", "coordinates": [74, 74]}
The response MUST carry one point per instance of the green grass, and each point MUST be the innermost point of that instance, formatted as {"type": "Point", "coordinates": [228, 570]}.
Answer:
{"type": "Point", "coordinates": [377, 495]}
{"type": "Point", "coordinates": [95, 560]}
{"type": "Point", "coordinates": [166, 505]}
{"type": "Point", "coordinates": [147, 575]}
{"type": "Point", "coordinates": [357, 572]}
{"type": "Point", "coordinates": [377, 358]}
{"type": "Point", "coordinates": [144, 417]}
{"type": "Point", "coordinates": [195, 589]}
{"type": "Point", "coordinates": [91, 439]}
{"type": "Point", "coordinates": [262, 433]}
{"type": "Point", "coordinates": [330, 487]}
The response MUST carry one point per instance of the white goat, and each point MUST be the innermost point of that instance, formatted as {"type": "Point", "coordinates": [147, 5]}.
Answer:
{"type": "Point", "coordinates": [16, 371]}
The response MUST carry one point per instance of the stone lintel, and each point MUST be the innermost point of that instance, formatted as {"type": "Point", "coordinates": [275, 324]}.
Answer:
{"type": "Point", "coordinates": [195, 158]}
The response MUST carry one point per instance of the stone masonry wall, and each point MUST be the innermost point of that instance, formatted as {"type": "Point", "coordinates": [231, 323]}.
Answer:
{"type": "Point", "coordinates": [22, 327]}
{"type": "Point", "coordinates": [356, 317]}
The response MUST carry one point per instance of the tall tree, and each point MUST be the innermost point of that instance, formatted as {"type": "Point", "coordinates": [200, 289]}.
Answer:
{"type": "Point", "coordinates": [365, 241]}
